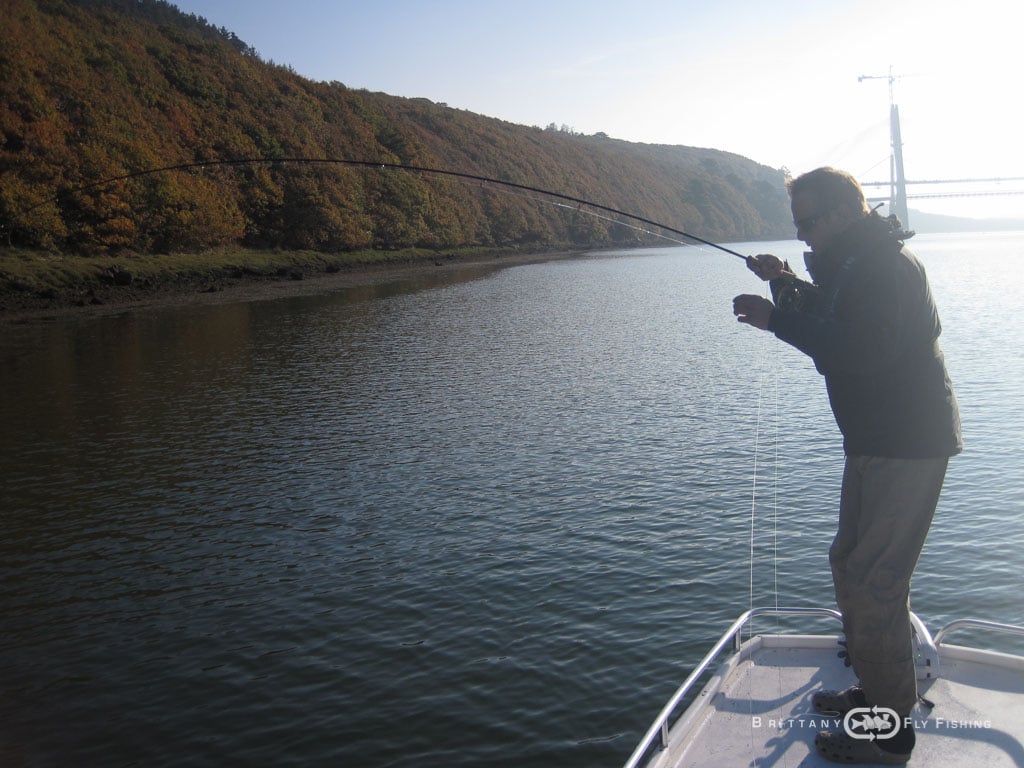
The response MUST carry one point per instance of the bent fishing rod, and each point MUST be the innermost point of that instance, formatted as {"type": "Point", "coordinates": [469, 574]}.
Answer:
{"type": "Point", "coordinates": [397, 167]}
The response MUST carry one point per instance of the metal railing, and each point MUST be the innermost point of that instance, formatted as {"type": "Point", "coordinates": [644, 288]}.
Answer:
{"type": "Point", "coordinates": [993, 626]}
{"type": "Point", "coordinates": [660, 728]}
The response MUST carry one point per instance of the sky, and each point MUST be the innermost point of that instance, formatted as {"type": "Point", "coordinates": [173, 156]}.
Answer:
{"type": "Point", "coordinates": [776, 81]}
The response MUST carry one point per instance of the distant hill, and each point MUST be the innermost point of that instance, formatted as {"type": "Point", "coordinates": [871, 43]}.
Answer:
{"type": "Point", "coordinates": [95, 89]}
{"type": "Point", "coordinates": [937, 223]}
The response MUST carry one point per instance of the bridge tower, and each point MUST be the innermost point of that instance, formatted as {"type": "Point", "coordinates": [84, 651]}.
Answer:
{"type": "Point", "coordinates": [897, 178]}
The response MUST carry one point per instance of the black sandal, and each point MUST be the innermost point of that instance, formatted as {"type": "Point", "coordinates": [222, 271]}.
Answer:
{"type": "Point", "coordinates": [838, 703]}
{"type": "Point", "coordinates": [842, 748]}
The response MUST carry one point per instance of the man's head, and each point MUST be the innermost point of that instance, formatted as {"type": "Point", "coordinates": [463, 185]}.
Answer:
{"type": "Point", "coordinates": [825, 202]}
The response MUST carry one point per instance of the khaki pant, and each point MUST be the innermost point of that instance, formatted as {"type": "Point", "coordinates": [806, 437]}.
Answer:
{"type": "Point", "coordinates": [885, 511]}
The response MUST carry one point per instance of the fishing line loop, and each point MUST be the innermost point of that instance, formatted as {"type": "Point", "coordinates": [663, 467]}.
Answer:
{"type": "Point", "coordinates": [767, 368]}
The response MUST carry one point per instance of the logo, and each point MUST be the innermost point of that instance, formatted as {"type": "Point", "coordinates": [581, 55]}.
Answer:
{"type": "Point", "coordinates": [870, 723]}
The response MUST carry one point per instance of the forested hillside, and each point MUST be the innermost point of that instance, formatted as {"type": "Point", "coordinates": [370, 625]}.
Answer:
{"type": "Point", "coordinates": [95, 89]}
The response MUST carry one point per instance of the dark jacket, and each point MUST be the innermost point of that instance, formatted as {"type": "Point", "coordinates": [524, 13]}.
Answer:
{"type": "Point", "coordinates": [870, 324]}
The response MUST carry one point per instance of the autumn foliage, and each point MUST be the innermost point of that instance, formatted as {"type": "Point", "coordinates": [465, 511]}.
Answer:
{"type": "Point", "coordinates": [96, 89]}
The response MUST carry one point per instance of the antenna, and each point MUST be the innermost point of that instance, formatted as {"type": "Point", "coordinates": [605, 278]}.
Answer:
{"type": "Point", "coordinates": [897, 178]}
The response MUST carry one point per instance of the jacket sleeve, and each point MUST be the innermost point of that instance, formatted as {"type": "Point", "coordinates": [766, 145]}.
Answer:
{"type": "Point", "coordinates": [863, 328]}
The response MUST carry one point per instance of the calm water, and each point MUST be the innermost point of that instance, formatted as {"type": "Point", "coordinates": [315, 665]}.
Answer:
{"type": "Point", "coordinates": [488, 521]}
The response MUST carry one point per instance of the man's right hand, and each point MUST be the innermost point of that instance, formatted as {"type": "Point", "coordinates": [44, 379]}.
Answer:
{"type": "Point", "coordinates": [766, 266]}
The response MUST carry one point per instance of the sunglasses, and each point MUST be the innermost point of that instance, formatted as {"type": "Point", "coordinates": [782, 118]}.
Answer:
{"type": "Point", "coordinates": [808, 222]}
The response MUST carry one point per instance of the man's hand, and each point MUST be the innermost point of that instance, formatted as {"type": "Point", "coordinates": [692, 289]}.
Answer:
{"type": "Point", "coordinates": [753, 310]}
{"type": "Point", "coordinates": [766, 266]}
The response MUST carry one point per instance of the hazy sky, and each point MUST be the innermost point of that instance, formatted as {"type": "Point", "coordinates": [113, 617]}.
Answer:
{"type": "Point", "coordinates": [773, 80]}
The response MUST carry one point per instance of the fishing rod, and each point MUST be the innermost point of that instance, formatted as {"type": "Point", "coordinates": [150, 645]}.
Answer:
{"type": "Point", "coordinates": [398, 167]}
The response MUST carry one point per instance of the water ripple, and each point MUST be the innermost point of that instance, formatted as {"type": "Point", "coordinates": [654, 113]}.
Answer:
{"type": "Point", "coordinates": [493, 522]}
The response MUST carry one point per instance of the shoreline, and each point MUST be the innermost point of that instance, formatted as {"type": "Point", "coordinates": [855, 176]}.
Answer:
{"type": "Point", "coordinates": [203, 291]}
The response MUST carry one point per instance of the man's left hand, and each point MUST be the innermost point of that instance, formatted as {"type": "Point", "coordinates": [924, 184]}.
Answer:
{"type": "Point", "coordinates": [753, 310]}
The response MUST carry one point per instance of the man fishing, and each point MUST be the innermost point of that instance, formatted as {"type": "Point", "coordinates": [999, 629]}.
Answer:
{"type": "Point", "coordinates": [869, 323]}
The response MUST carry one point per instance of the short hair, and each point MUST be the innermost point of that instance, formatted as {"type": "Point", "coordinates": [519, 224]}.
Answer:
{"type": "Point", "coordinates": [832, 187]}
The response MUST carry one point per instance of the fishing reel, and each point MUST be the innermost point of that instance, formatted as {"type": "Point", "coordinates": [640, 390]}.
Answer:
{"type": "Point", "coordinates": [789, 292]}
{"type": "Point", "coordinates": [794, 294]}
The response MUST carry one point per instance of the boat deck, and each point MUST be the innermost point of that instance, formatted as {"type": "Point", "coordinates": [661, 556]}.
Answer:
{"type": "Point", "coordinates": [756, 709]}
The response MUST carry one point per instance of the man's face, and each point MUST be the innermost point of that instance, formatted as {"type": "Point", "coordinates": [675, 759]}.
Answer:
{"type": "Point", "coordinates": [815, 225]}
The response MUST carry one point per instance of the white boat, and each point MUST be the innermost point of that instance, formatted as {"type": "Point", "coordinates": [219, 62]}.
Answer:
{"type": "Point", "coordinates": [755, 710]}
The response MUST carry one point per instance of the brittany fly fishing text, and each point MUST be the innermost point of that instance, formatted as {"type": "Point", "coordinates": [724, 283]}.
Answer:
{"type": "Point", "coordinates": [935, 724]}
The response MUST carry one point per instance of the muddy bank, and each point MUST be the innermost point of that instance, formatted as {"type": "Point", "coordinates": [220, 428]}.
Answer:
{"type": "Point", "coordinates": [118, 292]}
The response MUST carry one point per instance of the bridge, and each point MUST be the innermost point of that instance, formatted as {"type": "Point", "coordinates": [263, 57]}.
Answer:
{"type": "Point", "coordinates": [959, 192]}
{"type": "Point", "coordinates": [898, 183]}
